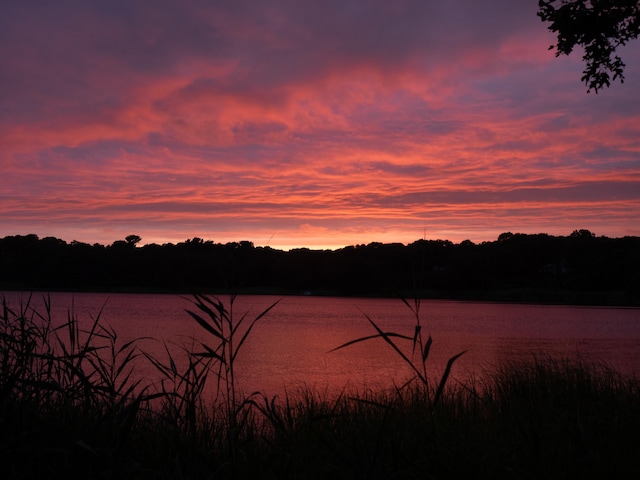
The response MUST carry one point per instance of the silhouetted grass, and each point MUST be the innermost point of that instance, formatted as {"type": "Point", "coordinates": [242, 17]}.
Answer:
{"type": "Point", "coordinates": [419, 348]}
{"type": "Point", "coordinates": [72, 407]}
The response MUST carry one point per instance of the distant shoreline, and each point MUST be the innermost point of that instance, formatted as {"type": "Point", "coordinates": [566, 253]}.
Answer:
{"type": "Point", "coordinates": [580, 269]}
{"type": "Point", "coordinates": [522, 296]}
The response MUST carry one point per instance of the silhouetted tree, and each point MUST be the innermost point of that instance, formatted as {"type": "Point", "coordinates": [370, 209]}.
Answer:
{"type": "Point", "coordinates": [599, 26]}
{"type": "Point", "coordinates": [582, 233]}
{"type": "Point", "coordinates": [503, 237]}
{"type": "Point", "coordinates": [578, 268]}
{"type": "Point", "coordinates": [132, 240]}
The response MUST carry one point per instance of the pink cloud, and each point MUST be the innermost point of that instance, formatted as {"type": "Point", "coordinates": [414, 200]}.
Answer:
{"type": "Point", "coordinates": [329, 122]}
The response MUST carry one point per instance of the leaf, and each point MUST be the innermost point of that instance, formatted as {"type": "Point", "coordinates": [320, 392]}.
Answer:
{"type": "Point", "coordinates": [215, 317]}
{"type": "Point", "coordinates": [246, 334]}
{"type": "Point", "coordinates": [235, 328]}
{"type": "Point", "coordinates": [387, 338]}
{"type": "Point", "coordinates": [210, 353]}
{"type": "Point", "coordinates": [406, 302]}
{"type": "Point", "coordinates": [416, 335]}
{"type": "Point", "coordinates": [212, 304]}
{"type": "Point", "coordinates": [131, 355]}
{"type": "Point", "coordinates": [370, 337]}
{"type": "Point", "coordinates": [427, 347]}
{"type": "Point", "coordinates": [159, 366]}
{"type": "Point", "coordinates": [132, 342]}
{"type": "Point", "coordinates": [203, 323]}
{"type": "Point", "coordinates": [445, 376]}
{"type": "Point", "coordinates": [172, 364]}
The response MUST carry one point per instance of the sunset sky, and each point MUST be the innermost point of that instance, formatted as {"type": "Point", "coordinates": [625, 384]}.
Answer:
{"type": "Point", "coordinates": [317, 124]}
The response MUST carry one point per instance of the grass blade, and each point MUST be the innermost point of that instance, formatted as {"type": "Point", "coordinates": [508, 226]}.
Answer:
{"type": "Point", "coordinates": [416, 336]}
{"type": "Point", "coordinates": [248, 331]}
{"type": "Point", "coordinates": [203, 323]}
{"type": "Point", "coordinates": [210, 353]}
{"type": "Point", "coordinates": [370, 337]}
{"type": "Point", "coordinates": [427, 348]}
{"type": "Point", "coordinates": [445, 376]}
{"type": "Point", "coordinates": [387, 338]}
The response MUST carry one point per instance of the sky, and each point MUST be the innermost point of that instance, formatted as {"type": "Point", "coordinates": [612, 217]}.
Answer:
{"type": "Point", "coordinates": [318, 124]}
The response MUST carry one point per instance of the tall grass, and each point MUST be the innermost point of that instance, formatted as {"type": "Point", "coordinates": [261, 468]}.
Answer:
{"type": "Point", "coordinates": [72, 406]}
{"type": "Point", "coordinates": [227, 333]}
{"type": "Point", "coordinates": [419, 347]}
{"type": "Point", "coordinates": [65, 392]}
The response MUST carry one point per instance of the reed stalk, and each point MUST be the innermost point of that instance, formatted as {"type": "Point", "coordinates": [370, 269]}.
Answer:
{"type": "Point", "coordinates": [419, 345]}
{"type": "Point", "coordinates": [228, 333]}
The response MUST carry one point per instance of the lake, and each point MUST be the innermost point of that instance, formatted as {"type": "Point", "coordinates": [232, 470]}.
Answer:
{"type": "Point", "coordinates": [291, 346]}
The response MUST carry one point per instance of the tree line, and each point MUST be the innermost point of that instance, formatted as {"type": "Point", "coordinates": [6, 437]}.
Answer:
{"type": "Point", "coordinates": [578, 268]}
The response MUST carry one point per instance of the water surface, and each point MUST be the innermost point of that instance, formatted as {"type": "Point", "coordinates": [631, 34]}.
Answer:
{"type": "Point", "coordinates": [291, 346]}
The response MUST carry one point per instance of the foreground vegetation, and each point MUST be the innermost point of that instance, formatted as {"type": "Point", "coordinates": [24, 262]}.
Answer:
{"type": "Point", "coordinates": [71, 406]}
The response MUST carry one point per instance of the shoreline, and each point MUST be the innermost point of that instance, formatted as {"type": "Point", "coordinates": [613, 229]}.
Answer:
{"type": "Point", "coordinates": [517, 296]}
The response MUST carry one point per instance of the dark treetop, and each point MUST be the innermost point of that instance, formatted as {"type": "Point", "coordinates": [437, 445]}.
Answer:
{"type": "Point", "coordinates": [598, 26]}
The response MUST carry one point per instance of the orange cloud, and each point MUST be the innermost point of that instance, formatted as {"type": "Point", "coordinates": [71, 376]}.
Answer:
{"type": "Point", "coordinates": [231, 123]}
